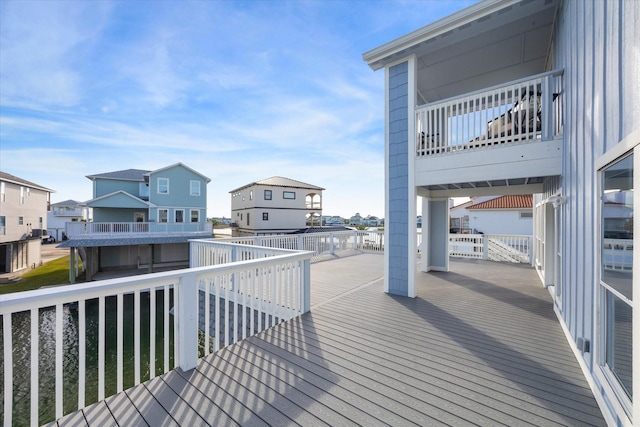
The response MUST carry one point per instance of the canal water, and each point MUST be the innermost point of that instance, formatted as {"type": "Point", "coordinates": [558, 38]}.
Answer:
{"type": "Point", "coordinates": [46, 359]}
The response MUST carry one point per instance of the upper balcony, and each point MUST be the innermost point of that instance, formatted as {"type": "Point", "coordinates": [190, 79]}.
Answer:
{"type": "Point", "coordinates": [134, 229]}
{"type": "Point", "coordinates": [509, 132]}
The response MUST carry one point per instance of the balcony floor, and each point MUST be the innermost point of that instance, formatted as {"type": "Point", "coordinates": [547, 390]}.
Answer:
{"type": "Point", "coordinates": [480, 345]}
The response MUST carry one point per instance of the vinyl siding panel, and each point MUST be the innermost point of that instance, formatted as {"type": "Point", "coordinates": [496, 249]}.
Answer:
{"type": "Point", "coordinates": [597, 90]}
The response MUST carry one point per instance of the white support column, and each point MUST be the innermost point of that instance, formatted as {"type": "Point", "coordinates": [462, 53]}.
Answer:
{"type": "Point", "coordinates": [424, 246]}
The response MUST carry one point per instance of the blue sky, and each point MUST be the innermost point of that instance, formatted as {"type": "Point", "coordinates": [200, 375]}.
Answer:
{"type": "Point", "coordinates": [239, 91]}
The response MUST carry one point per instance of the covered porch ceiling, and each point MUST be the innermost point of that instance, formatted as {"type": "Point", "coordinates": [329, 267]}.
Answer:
{"type": "Point", "coordinates": [491, 42]}
{"type": "Point", "coordinates": [495, 187]}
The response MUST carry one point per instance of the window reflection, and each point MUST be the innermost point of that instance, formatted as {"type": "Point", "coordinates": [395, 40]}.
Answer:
{"type": "Point", "coordinates": [617, 214]}
{"type": "Point", "coordinates": [617, 269]}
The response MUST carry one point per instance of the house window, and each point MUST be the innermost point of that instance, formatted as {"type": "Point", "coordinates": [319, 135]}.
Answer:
{"type": "Point", "coordinates": [22, 195]}
{"type": "Point", "coordinates": [179, 215]}
{"type": "Point", "coordinates": [3, 194]}
{"type": "Point", "coordinates": [163, 215]}
{"type": "Point", "coordinates": [265, 216]}
{"type": "Point", "coordinates": [195, 215]}
{"type": "Point", "coordinates": [248, 218]}
{"type": "Point", "coordinates": [288, 195]}
{"type": "Point", "coordinates": [251, 195]}
{"type": "Point", "coordinates": [28, 192]}
{"type": "Point", "coordinates": [3, 225]}
{"type": "Point", "coordinates": [163, 185]}
{"type": "Point", "coordinates": [524, 215]}
{"type": "Point", "coordinates": [267, 194]}
{"type": "Point", "coordinates": [194, 188]}
{"type": "Point", "coordinates": [616, 274]}
{"type": "Point", "coordinates": [20, 220]}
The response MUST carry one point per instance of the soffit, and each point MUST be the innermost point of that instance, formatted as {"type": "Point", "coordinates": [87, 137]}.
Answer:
{"type": "Point", "coordinates": [489, 43]}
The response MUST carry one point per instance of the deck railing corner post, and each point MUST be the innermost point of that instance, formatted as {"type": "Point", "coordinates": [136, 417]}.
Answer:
{"type": "Point", "coordinates": [305, 303]}
{"type": "Point", "coordinates": [187, 318]}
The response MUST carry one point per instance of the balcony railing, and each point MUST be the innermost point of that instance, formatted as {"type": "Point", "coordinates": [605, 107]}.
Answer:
{"type": "Point", "coordinates": [119, 229]}
{"type": "Point", "coordinates": [321, 244]}
{"type": "Point", "coordinates": [78, 212]}
{"type": "Point", "coordinates": [68, 346]}
{"type": "Point", "coordinates": [515, 112]}
{"type": "Point", "coordinates": [503, 248]}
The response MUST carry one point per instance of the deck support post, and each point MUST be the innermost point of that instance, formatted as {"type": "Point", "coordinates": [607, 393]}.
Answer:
{"type": "Point", "coordinates": [187, 318]}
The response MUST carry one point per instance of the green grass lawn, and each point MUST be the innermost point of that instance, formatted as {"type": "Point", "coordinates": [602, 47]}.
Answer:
{"type": "Point", "coordinates": [52, 273]}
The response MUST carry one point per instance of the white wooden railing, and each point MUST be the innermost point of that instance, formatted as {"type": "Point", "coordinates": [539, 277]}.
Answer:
{"type": "Point", "coordinates": [504, 248]}
{"type": "Point", "coordinates": [617, 254]}
{"type": "Point", "coordinates": [518, 111]}
{"type": "Point", "coordinates": [321, 244]}
{"type": "Point", "coordinates": [48, 335]}
{"type": "Point", "coordinates": [116, 229]}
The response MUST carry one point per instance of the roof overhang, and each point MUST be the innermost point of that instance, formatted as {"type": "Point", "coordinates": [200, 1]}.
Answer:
{"type": "Point", "coordinates": [490, 42]}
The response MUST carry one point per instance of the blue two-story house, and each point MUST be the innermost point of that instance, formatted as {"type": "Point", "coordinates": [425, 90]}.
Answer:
{"type": "Point", "coordinates": [142, 220]}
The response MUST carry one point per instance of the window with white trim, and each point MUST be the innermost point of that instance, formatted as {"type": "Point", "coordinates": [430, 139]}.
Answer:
{"type": "Point", "coordinates": [616, 276]}
{"type": "Point", "coordinates": [22, 195]}
{"type": "Point", "coordinates": [194, 188]}
{"type": "Point", "coordinates": [3, 192]}
{"type": "Point", "coordinates": [289, 195]}
{"type": "Point", "coordinates": [20, 220]}
{"type": "Point", "coordinates": [163, 215]}
{"type": "Point", "coordinates": [179, 215]}
{"type": "Point", "coordinates": [195, 215]}
{"type": "Point", "coordinates": [163, 185]}
{"type": "Point", "coordinates": [3, 225]}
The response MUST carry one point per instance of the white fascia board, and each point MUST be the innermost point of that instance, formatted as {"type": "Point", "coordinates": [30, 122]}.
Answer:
{"type": "Point", "coordinates": [442, 26]}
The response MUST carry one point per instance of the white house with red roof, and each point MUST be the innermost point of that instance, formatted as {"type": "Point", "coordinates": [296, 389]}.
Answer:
{"type": "Point", "coordinates": [509, 214]}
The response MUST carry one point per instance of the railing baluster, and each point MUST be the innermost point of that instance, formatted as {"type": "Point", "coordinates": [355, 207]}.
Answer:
{"type": "Point", "coordinates": [82, 351]}
{"type": "Point", "coordinates": [101, 347]}
{"type": "Point", "coordinates": [152, 332]}
{"type": "Point", "coordinates": [119, 341]}
{"type": "Point", "coordinates": [207, 315]}
{"type": "Point", "coordinates": [59, 359]}
{"type": "Point", "coordinates": [166, 331]}
{"type": "Point", "coordinates": [136, 336]}
{"type": "Point", "coordinates": [35, 338]}
{"type": "Point", "coordinates": [7, 332]}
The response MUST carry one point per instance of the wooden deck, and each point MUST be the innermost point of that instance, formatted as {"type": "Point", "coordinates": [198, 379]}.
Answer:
{"type": "Point", "coordinates": [480, 345]}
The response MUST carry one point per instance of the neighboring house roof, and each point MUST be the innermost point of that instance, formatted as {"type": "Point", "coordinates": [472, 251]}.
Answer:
{"type": "Point", "coordinates": [139, 175]}
{"type": "Point", "coordinates": [119, 199]}
{"type": "Point", "coordinates": [506, 202]}
{"type": "Point", "coordinates": [278, 181]}
{"type": "Point", "coordinates": [69, 202]}
{"type": "Point", "coordinates": [123, 175]}
{"type": "Point", "coordinates": [178, 164]}
{"type": "Point", "coordinates": [15, 180]}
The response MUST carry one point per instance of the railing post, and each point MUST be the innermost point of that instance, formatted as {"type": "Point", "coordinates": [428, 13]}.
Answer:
{"type": "Point", "coordinates": [300, 243]}
{"type": "Point", "coordinates": [331, 246]}
{"type": "Point", "coordinates": [485, 246]}
{"type": "Point", "coordinates": [305, 294]}
{"type": "Point", "coordinates": [187, 318]}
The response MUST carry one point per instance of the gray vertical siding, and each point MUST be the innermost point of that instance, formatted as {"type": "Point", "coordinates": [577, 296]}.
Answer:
{"type": "Point", "coordinates": [398, 176]}
{"type": "Point", "coordinates": [599, 99]}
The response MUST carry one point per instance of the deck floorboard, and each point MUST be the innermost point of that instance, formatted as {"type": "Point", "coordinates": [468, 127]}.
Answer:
{"type": "Point", "coordinates": [479, 345]}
